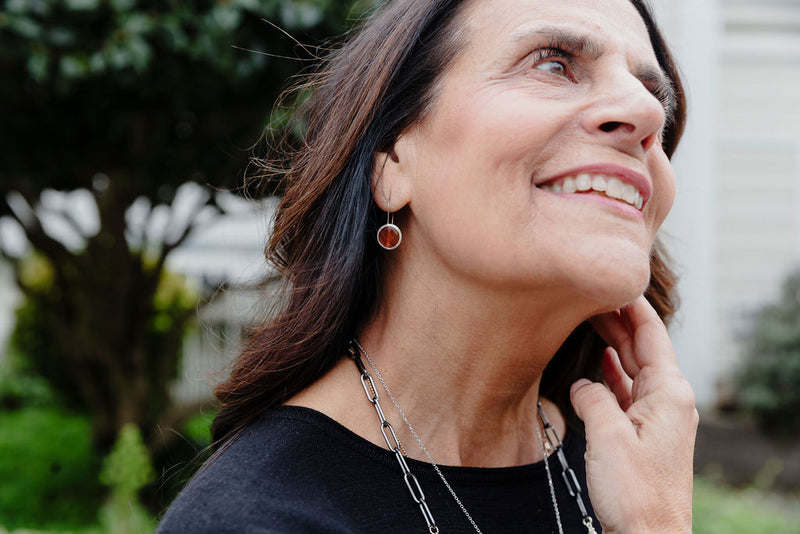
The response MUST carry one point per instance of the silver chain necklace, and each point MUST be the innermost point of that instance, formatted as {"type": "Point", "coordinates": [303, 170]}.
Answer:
{"type": "Point", "coordinates": [553, 443]}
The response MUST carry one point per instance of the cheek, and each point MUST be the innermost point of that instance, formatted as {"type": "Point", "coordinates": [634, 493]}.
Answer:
{"type": "Point", "coordinates": [664, 187]}
{"type": "Point", "coordinates": [493, 121]}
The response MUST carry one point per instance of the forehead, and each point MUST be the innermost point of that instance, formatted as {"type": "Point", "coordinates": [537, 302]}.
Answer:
{"type": "Point", "coordinates": [613, 25]}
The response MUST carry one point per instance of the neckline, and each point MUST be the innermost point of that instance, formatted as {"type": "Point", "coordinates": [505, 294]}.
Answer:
{"type": "Point", "coordinates": [381, 455]}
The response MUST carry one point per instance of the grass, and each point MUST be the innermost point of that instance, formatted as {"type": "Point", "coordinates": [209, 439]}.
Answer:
{"type": "Point", "coordinates": [722, 510]}
{"type": "Point", "coordinates": [48, 470]}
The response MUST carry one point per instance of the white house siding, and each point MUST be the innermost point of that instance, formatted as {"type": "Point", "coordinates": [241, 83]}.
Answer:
{"type": "Point", "coordinates": [215, 341]}
{"type": "Point", "coordinates": [757, 235]}
{"type": "Point", "coordinates": [735, 229]}
{"type": "Point", "coordinates": [229, 251]}
{"type": "Point", "coordinates": [758, 214]}
{"type": "Point", "coordinates": [735, 232]}
{"type": "Point", "coordinates": [692, 29]}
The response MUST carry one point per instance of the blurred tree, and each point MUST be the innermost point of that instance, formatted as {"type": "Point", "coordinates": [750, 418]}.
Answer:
{"type": "Point", "coordinates": [769, 380]}
{"type": "Point", "coordinates": [124, 101]}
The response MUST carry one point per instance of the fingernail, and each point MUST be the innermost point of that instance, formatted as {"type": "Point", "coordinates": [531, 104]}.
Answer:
{"type": "Point", "coordinates": [578, 385]}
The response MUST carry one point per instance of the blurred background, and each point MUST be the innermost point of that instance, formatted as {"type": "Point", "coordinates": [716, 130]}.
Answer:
{"type": "Point", "coordinates": [131, 250]}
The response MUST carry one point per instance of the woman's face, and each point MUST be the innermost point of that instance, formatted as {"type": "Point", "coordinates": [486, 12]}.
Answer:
{"type": "Point", "coordinates": [548, 111]}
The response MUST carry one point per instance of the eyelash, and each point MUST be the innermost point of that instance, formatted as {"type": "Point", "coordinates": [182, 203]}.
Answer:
{"type": "Point", "coordinates": [663, 95]}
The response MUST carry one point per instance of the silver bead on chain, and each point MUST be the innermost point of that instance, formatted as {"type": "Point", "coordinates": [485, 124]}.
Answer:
{"type": "Point", "coordinates": [553, 444]}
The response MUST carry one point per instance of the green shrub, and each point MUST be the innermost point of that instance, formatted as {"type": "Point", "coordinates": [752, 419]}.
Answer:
{"type": "Point", "coordinates": [197, 428]}
{"type": "Point", "coordinates": [179, 463]}
{"type": "Point", "coordinates": [48, 470]}
{"type": "Point", "coordinates": [50, 477]}
{"type": "Point", "coordinates": [21, 387]}
{"type": "Point", "coordinates": [126, 471]}
{"type": "Point", "coordinates": [769, 380]}
{"type": "Point", "coordinates": [721, 510]}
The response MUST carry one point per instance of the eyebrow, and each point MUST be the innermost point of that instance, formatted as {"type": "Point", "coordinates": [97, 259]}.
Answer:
{"type": "Point", "coordinates": [573, 42]}
{"type": "Point", "coordinates": [653, 78]}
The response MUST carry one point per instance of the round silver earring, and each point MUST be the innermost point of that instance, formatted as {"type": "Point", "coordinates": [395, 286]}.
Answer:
{"type": "Point", "coordinates": [389, 235]}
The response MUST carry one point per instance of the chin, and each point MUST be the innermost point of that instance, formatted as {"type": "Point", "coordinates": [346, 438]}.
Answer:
{"type": "Point", "coordinates": [612, 289]}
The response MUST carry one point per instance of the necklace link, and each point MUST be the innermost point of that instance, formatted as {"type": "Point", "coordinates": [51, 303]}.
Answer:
{"type": "Point", "coordinates": [570, 478]}
{"type": "Point", "coordinates": [369, 387]}
{"type": "Point", "coordinates": [388, 426]}
{"type": "Point", "coordinates": [551, 444]}
{"type": "Point", "coordinates": [394, 444]}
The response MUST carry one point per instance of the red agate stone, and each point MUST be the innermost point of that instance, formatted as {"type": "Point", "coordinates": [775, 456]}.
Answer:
{"type": "Point", "coordinates": [389, 236]}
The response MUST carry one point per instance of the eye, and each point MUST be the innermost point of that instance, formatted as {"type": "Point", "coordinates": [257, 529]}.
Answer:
{"type": "Point", "coordinates": [554, 61]}
{"type": "Point", "coordinates": [552, 66]}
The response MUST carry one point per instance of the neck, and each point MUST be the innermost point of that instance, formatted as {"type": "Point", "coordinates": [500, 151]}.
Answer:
{"type": "Point", "coordinates": [471, 369]}
{"type": "Point", "coordinates": [464, 367]}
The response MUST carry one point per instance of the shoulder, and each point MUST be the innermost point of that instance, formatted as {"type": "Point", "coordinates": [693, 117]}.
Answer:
{"type": "Point", "coordinates": [267, 481]}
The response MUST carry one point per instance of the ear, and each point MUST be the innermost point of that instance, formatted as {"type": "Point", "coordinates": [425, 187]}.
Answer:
{"type": "Point", "coordinates": [392, 176]}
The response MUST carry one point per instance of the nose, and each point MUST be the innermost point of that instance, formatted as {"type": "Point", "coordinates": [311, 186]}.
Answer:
{"type": "Point", "coordinates": [625, 114]}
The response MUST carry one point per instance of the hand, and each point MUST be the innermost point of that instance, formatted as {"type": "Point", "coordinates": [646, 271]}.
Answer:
{"type": "Point", "coordinates": [640, 431]}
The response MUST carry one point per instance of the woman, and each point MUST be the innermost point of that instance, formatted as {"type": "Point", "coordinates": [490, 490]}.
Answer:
{"type": "Point", "coordinates": [468, 225]}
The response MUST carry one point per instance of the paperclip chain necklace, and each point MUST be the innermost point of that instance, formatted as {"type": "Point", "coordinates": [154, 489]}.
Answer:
{"type": "Point", "coordinates": [553, 444]}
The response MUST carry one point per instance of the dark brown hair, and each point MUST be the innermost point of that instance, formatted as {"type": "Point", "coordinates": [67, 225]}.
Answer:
{"type": "Point", "coordinates": [362, 97]}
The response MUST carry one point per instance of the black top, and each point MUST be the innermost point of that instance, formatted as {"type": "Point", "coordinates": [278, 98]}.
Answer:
{"type": "Point", "coordinates": [296, 470]}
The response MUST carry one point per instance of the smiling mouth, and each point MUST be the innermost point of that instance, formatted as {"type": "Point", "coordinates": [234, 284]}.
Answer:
{"type": "Point", "coordinates": [609, 186]}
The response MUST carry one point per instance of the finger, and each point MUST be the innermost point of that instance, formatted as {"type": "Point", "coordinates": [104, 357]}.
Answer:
{"type": "Point", "coordinates": [598, 409]}
{"type": "Point", "coordinates": [651, 344]}
{"type": "Point", "coordinates": [618, 382]}
{"type": "Point", "coordinates": [612, 328]}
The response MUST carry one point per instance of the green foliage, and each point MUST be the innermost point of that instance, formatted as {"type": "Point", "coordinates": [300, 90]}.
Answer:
{"type": "Point", "coordinates": [133, 31]}
{"type": "Point", "coordinates": [197, 429]}
{"type": "Point", "coordinates": [60, 487]}
{"type": "Point", "coordinates": [189, 449]}
{"type": "Point", "coordinates": [40, 336]}
{"type": "Point", "coordinates": [174, 297]}
{"type": "Point", "coordinates": [721, 510]}
{"type": "Point", "coordinates": [21, 386]}
{"type": "Point", "coordinates": [769, 381]}
{"type": "Point", "coordinates": [148, 94]}
{"type": "Point", "coordinates": [126, 470]}
{"type": "Point", "coordinates": [48, 470]}
{"type": "Point", "coordinates": [129, 99]}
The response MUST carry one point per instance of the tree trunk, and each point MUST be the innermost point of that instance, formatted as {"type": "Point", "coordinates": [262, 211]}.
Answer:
{"type": "Point", "coordinates": [105, 354]}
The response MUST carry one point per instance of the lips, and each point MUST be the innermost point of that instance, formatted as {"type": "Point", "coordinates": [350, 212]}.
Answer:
{"type": "Point", "coordinates": [614, 182]}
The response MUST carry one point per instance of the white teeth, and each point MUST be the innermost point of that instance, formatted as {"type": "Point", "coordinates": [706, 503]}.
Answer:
{"type": "Point", "coordinates": [599, 183]}
{"type": "Point", "coordinates": [629, 193]}
{"type": "Point", "coordinates": [583, 182]}
{"type": "Point", "coordinates": [612, 187]}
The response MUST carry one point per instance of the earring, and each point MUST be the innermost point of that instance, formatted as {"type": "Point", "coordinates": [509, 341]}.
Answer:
{"type": "Point", "coordinates": [389, 235]}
